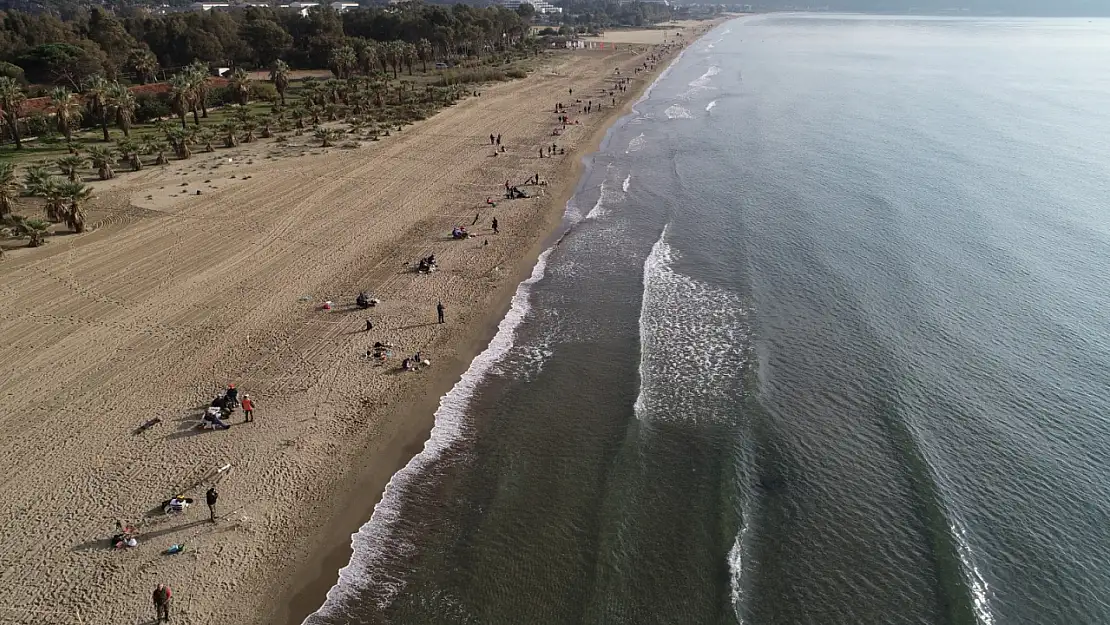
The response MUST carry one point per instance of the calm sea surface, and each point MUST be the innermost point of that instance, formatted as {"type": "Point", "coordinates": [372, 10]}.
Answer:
{"type": "Point", "coordinates": [827, 341]}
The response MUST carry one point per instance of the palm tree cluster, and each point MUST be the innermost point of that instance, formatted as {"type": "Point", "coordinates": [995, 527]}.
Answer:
{"type": "Point", "coordinates": [189, 92]}
{"type": "Point", "coordinates": [64, 197]}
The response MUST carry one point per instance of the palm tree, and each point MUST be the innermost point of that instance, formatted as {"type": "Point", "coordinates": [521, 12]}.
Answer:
{"type": "Point", "coordinates": [242, 114]}
{"type": "Point", "coordinates": [369, 56]}
{"type": "Point", "coordinates": [9, 189]}
{"type": "Point", "coordinates": [102, 159]}
{"type": "Point", "coordinates": [206, 136]}
{"type": "Point", "coordinates": [342, 61]}
{"type": "Point", "coordinates": [71, 165]}
{"type": "Point", "coordinates": [229, 129]}
{"type": "Point", "coordinates": [249, 127]}
{"type": "Point", "coordinates": [265, 125]}
{"type": "Point", "coordinates": [181, 96]}
{"type": "Point", "coordinates": [124, 102]}
{"type": "Point", "coordinates": [298, 114]}
{"type": "Point", "coordinates": [198, 73]}
{"type": "Point", "coordinates": [279, 74]}
{"type": "Point", "coordinates": [326, 136]}
{"type": "Point", "coordinates": [179, 139]}
{"type": "Point", "coordinates": [425, 51]}
{"type": "Point", "coordinates": [408, 54]}
{"type": "Point", "coordinates": [35, 230]}
{"type": "Point", "coordinates": [98, 94]}
{"type": "Point", "coordinates": [394, 54]}
{"type": "Point", "coordinates": [67, 110]}
{"type": "Point", "coordinates": [240, 85]}
{"type": "Point", "coordinates": [377, 91]}
{"type": "Point", "coordinates": [129, 151]}
{"type": "Point", "coordinates": [35, 178]}
{"type": "Point", "coordinates": [11, 106]}
{"type": "Point", "coordinates": [143, 63]}
{"type": "Point", "coordinates": [156, 146]}
{"type": "Point", "coordinates": [76, 194]}
{"type": "Point", "coordinates": [54, 194]}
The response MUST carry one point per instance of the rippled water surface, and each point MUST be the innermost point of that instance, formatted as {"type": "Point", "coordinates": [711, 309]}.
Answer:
{"type": "Point", "coordinates": [825, 342]}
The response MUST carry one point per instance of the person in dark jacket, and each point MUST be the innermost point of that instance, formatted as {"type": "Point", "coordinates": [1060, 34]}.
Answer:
{"type": "Point", "coordinates": [162, 597]}
{"type": "Point", "coordinates": [210, 498]}
{"type": "Point", "coordinates": [439, 310]}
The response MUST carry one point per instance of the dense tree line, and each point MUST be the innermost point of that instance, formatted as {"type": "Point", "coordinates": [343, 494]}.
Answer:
{"type": "Point", "coordinates": [600, 14]}
{"type": "Point", "coordinates": [45, 49]}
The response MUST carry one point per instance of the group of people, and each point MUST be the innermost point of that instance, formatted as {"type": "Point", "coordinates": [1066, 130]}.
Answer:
{"type": "Point", "coordinates": [414, 362]}
{"type": "Point", "coordinates": [218, 411]}
{"type": "Point", "coordinates": [427, 264]}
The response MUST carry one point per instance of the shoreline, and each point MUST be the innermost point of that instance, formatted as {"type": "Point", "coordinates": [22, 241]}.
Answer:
{"type": "Point", "coordinates": [241, 266]}
{"type": "Point", "coordinates": [320, 572]}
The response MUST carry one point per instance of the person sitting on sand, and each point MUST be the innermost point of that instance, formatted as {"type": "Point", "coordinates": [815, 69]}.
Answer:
{"type": "Point", "coordinates": [214, 417]}
{"type": "Point", "coordinates": [406, 364]}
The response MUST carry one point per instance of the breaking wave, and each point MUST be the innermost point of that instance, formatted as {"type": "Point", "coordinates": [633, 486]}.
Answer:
{"type": "Point", "coordinates": [693, 343]}
{"type": "Point", "coordinates": [675, 111]}
{"type": "Point", "coordinates": [636, 144]}
{"type": "Point", "coordinates": [704, 79]}
{"type": "Point", "coordinates": [379, 548]}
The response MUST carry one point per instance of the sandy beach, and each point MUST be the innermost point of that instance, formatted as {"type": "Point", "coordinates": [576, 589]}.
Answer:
{"type": "Point", "coordinates": [197, 276]}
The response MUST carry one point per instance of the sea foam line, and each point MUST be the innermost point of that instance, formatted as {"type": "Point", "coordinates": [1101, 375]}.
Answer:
{"type": "Point", "coordinates": [371, 545]}
{"type": "Point", "coordinates": [627, 181]}
{"type": "Point", "coordinates": [709, 107]}
{"type": "Point", "coordinates": [736, 570]}
{"type": "Point", "coordinates": [658, 257]}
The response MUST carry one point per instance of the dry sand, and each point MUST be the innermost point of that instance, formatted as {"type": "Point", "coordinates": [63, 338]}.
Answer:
{"type": "Point", "coordinates": [663, 33]}
{"type": "Point", "coordinates": [174, 295]}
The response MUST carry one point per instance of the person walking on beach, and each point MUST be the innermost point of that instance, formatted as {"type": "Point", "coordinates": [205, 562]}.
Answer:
{"type": "Point", "coordinates": [498, 139]}
{"type": "Point", "coordinates": [161, 598]}
{"type": "Point", "coordinates": [439, 310]}
{"type": "Point", "coordinates": [495, 231]}
{"type": "Point", "coordinates": [248, 403]}
{"type": "Point", "coordinates": [491, 138]}
{"type": "Point", "coordinates": [210, 498]}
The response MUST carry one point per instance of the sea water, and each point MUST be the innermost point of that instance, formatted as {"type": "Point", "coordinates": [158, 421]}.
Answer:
{"type": "Point", "coordinates": [826, 343]}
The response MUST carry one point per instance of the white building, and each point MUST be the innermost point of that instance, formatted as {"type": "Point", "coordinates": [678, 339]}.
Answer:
{"type": "Point", "coordinates": [300, 7]}
{"type": "Point", "coordinates": [543, 7]}
{"type": "Point", "coordinates": [208, 6]}
{"type": "Point", "coordinates": [344, 6]}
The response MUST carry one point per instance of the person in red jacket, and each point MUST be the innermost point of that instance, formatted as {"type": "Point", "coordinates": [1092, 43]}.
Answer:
{"type": "Point", "coordinates": [248, 406]}
{"type": "Point", "coordinates": [162, 597]}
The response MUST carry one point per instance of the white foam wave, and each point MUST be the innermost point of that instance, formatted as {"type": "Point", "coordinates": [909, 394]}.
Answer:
{"type": "Point", "coordinates": [709, 107]}
{"type": "Point", "coordinates": [693, 343]}
{"type": "Point", "coordinates": [378, 543]}
{"type": "Point", "coordinates": [976, 583]}
{"type": "Point", "coordinates": [636, 144]}
{"type": "Point", "coordinates": [599, 206]}
{"type": "Point", "coordinates": [705, 78]}
{"type": "Point", "coordinates": [736, 570]}
{"type": "Point", "coordinates": [675, 111]}
{"type": "Point", "coordinates": [627, 181]}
